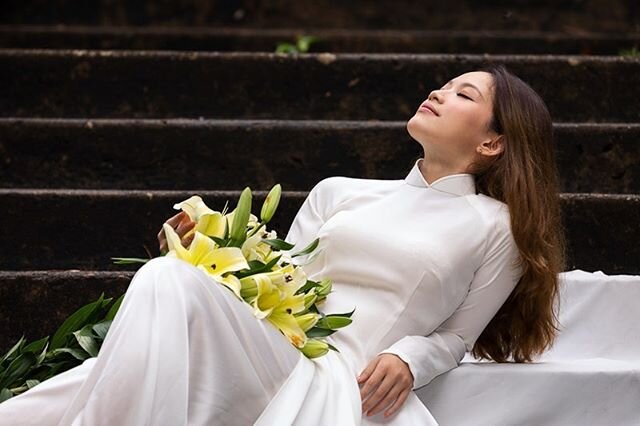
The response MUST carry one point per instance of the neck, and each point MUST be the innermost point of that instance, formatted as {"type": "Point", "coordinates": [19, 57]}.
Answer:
{"type": "Point", "coordinates": [433, 170]}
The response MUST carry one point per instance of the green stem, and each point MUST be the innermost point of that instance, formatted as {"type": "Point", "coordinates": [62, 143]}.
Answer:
{"type": "Point", "coordinates": [256, 229]}
{"type": "Point", "coordinates": [19, 389]}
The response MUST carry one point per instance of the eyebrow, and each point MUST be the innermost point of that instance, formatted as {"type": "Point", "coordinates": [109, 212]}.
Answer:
{"type": "Point", "coordinates": [467, 84]}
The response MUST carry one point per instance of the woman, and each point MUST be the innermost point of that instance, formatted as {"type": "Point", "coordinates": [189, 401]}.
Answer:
{"type": "Point", "coordinates": [463, 254]}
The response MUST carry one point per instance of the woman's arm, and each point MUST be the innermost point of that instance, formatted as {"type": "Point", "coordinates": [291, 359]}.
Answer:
{"type": "Point", "coordinates": [443, 349]}
{"type": "Point", "coordinates": [309, 218]}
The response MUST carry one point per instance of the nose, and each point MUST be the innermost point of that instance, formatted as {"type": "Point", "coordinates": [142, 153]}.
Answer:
{"type": "Point", "coordinates": [433, 95]}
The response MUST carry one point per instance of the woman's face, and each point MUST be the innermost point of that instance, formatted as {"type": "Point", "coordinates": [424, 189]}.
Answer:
{"type": "Point", "coordinates": [463, 110]}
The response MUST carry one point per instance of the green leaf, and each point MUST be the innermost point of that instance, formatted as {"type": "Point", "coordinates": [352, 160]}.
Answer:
{"type": "Point", "coordinates": [43, 354]}
{"type": "Point", "coordinates": [85, 339]}
{"type": "Point", "coordinates": [101, 329]}
{"type": "Point", "coordinates": [36, 346]}
{"type": "Point", "coordinates": [286, 48]}
{"type": "Point", "coordinates": [64, 365]}
{"type": "Point", "coordinates": [309, 259]}
{"type": "Point", "coordinates": [18, 368]}
{"type": "Point", "coordinates": [319, 332]}
{"type": "Point", "coordinates": [76, 321]}
{"type": "Point", "coordinates": [346, 314]}
{"type": "Point", "coordinates": [307, 286]}
{"type": "Point", "coordinates": [304, 43]}
{"type": "Point", "coordinates": [5, 394]}
{"type": "Point", "coordinates": [221, 242]}
{"type": "Point", "coordinates": [14, 350]}
{"type": "Point", "coordinates": [78, 354]}
{"type": "Point", "coordinates": [255, 264]}
{"type": "Point", "coordinates": [269, 266]}
{"type": "Point", "coordinates": [31, 383]}
{"type": "Point", "coordinates": [278, 244]}
{"type": "Point", "coordinates": [256, 267]}
{"type": "Point", "coordinates": [333, 322]}
{"type": "Point", "coordinates": [114, 308]}
{"type": "Point", "coordinates": [308, 249]}
{"type": "Point", "coordinates": [333, 348]}
{"type": "Point", "coordinates": [128, 260]}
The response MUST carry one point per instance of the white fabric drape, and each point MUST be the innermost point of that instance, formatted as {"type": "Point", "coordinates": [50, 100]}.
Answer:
{"type": "Point", "coordinates": [591, 375]}
{"type": "Point", "coordinates": [182, 350]}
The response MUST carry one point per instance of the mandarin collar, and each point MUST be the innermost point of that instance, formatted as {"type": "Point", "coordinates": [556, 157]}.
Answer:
{"type": "Point", "coordinates": [456, 184]}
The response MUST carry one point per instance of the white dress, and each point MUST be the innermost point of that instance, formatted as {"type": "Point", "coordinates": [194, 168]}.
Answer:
{"type": "Point", "coordinates": [426, 267]}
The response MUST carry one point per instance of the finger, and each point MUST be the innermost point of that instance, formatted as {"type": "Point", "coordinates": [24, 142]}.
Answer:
{"type": "Point", "coordinates": [184, 227]}
{"type": "Point", "coordinates": [188, 240]}
{"type": "Point", "coordinates": [173, 222]}
{"type": "Point", "coordinates": [372, 382]}
{"type": "Point", "coordinates": [175, 219]}
{"type": "Point", "coordinates": [183, 221]}
{"type": "Point", "coordinates": [398, 403]}
{"type": "Point", "coordinates": [368, 370]}
{"type": "Point", "coordinates": [379, 394]}
{"type": "Point", "coordinates": [389, 397]}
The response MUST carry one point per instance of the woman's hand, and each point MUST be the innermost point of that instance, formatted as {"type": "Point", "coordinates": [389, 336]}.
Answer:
{"type": "Point", "coordinates": [386, 380]}
{"type": "Point", "coordinates": [182, 224]}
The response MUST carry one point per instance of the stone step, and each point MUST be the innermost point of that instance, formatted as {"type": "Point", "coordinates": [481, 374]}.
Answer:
{"type": "Point", "coordinates": [168, 84]}
{"type": "Point", "coordinates": [83, 229]}
{"type": "Point", "coordinates": [36, 303]}
{"type": "Point", "coordinates": [150, 154]}
{"type": "Point", "coordinates": [327, 40]}
{"type": "Point", "coordinates": [566, 15]}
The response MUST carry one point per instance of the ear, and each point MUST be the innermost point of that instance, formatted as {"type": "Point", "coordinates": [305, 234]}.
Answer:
{"type": "Point", "coordinates": [491, 147]}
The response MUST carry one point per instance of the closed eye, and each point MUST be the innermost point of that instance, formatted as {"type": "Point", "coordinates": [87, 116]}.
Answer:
{"type": "Point", "coordinates": [464, 96]}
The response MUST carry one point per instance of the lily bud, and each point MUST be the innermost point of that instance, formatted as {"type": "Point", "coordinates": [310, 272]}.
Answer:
{"type": "Point", "coordinates": [249, 289]}
{"type": "Point", "coordinates": [306, 321]}
{"type": "Point", "coordinates": [309, 300]}
{"type": "Point", "coordinates": [241, 214]}
{"type": "Point", "coordinates": [270, 203]}
{"type": "Point", "coordinates": [324, 288]}
{"type": "Point", "coordinates": [314, 348]}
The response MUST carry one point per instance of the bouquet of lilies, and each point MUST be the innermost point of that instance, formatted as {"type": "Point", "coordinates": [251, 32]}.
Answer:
{"type": "Point", "coordinates": [232, 248]}
{"type": "Point", "coordinates": [237, 251]}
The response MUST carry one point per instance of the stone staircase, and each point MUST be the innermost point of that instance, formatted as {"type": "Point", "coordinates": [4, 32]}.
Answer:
{"type": "Point", "coordinates": [95, 144]}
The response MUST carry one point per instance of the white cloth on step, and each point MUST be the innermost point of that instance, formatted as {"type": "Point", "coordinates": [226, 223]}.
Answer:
{"type": "Point", "coordinates": [589, 377]}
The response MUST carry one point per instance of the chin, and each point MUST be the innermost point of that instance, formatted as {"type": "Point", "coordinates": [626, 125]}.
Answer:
{"type": "Point", "coordinates": [416, 129]}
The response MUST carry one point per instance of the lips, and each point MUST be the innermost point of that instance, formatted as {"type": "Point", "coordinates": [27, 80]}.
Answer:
{"type": "Point", "coordinates": [428, 106]}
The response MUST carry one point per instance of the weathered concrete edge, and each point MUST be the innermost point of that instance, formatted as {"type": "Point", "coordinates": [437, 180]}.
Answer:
{"type": "Point", "coordinates": [266, 123]}
{"type": "Point", "coordinates": [60, 274]}
{"type": "Point", "coordinates": [136, 194]}
{"type": "Point", "coordinates": [329, 32]}
{"type": "Point", "coordinates": [325, 58]}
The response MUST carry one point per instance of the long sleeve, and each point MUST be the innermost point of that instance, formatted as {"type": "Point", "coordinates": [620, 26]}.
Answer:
{"type": "Point", "coordinates": [310, 217]}
{"type": "Point", "coordinates": [443, 349]}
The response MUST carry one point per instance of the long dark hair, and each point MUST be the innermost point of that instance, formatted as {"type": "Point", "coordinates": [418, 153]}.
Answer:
{"type": "Point", "coordinates": [525, 177]}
